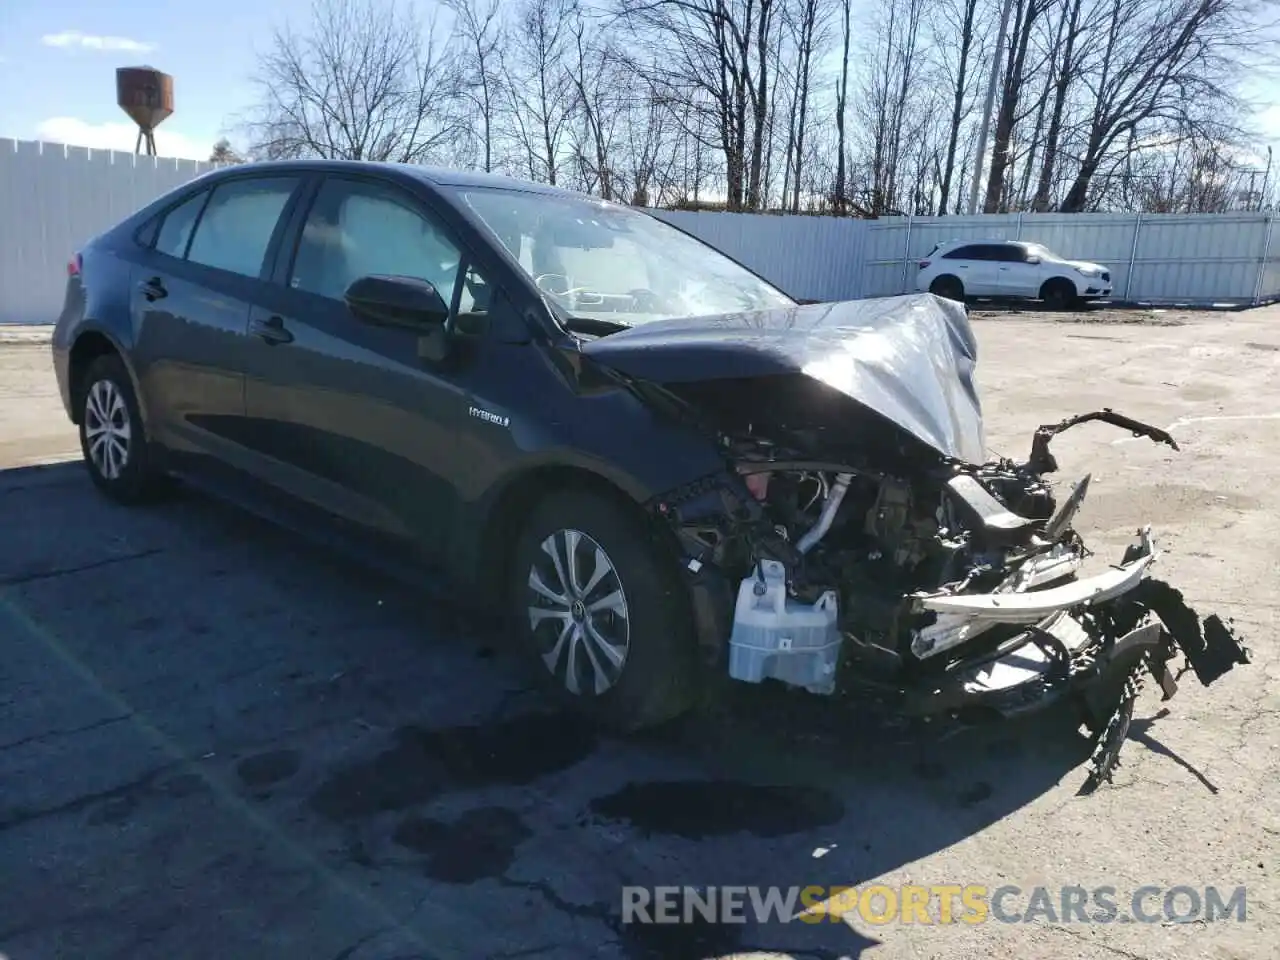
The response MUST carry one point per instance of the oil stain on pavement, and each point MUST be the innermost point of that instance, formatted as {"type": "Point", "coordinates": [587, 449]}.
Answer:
{"type": "Point", "coordinates": [479, 845]}
{"type": "Point", "coordinates": [696, 809]}
{"type": "Point", "coordinates": [267, 769]}
{"type": "Point", "coordinates": [424, 764]}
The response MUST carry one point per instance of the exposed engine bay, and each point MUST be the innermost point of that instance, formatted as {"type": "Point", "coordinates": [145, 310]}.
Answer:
{"type": "Point", "coordinates": [883, 553]}
{"type": "Point", "coordinates": [953, 591]}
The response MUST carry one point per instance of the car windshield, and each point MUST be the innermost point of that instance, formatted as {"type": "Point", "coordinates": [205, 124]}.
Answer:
{"type": "Point", "coordinates": [601, 261]}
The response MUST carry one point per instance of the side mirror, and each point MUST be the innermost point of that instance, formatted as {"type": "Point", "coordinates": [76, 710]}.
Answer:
{"type": "Point", "coordinates": [1033, 259]}
{"type": "Point", "coordinates": [397, 302]}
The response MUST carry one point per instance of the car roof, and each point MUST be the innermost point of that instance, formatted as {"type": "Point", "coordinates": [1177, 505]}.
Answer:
{"type": "Point", "coordinates": [436, 176]}
{"type": "Point", "coordinates": [965, 243]}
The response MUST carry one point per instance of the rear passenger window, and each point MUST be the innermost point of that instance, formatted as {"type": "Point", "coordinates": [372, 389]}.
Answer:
{"type": "Point", "coordinates": [236, 227]}
{"type": "Point", "coordinates": [175, 231]}
{"type": "Point", "coordinates": [964, 253]}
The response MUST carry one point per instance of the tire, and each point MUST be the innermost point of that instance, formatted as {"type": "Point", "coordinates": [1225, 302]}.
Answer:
{"type": "Point", "coordinates": [651, 676]}
{"type": "Point", "coordinates": [113, 439]}
{"type": "Point", "coordinates": [947, 287]}
{"type": "Point", "coordinates": [1058, 294]}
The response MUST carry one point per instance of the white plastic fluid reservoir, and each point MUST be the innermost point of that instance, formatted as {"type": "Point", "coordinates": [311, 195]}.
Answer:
{"type": "Point", "coordinates": [775, 636]}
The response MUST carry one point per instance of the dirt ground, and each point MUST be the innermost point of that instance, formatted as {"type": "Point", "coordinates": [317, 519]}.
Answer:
{"type": "Point", "coordinates": [1100, 313]}
{"type": "Point", "coordinates": [218, 742]}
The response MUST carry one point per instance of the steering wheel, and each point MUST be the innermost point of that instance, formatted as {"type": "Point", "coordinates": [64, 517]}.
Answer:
{"type": "Point", "coordinates": [568, 293]}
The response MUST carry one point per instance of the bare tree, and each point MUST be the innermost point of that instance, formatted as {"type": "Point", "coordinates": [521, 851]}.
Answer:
{"type": "Point", "coordinates": [480, 29]}
{"type": "Point", "coordinates": [842, 104]}
{"type": "Point", "coordinates": [1102, 103]}
{"type": "Point", "coordinates": [1153, 59]}
{"type": "Point", "coordinates": [958, 20]}
{"type": "Point", "coordinates": [592, 72]}
{"type": "Point", "coordinates": [363, 82]}
{"type": "Point", "coordinates": [1026, 13]}
{"type": "Point", "coordinates": [539, 87]}
{"type": "Point", "coordinates": [890, 99]}
{"type": "Point", "coordinates": [1066, 73]}
{"type": "Point", "coordinates": [647, 124]}
{"type": "Point", "coordinates": [716, 54]}
{"type": "Point", "coordinates": [806, 24]}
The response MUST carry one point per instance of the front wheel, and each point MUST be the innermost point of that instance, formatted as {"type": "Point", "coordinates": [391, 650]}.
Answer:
{"type": "Point", "coordinates": [600, 609]}
{"type": "Point", "coordinates": [1059, 294]}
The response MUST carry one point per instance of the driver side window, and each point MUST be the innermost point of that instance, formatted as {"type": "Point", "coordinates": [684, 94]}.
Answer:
{"type": "Point", "coordinates": [356, 228]}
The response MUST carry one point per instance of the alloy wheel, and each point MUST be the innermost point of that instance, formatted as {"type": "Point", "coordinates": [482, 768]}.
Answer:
{"type": "Point", "coordinates": [107, 429]}
{"type": "Point", "coordinates": [578, 613]}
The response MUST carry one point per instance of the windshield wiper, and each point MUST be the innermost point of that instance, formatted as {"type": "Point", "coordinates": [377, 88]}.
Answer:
{"type": "Point", "coordinates": [594, 326]}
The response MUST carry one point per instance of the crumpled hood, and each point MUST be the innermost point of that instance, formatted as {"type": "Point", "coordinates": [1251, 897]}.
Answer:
{"type": "Point", "coordinates": [909, 359]}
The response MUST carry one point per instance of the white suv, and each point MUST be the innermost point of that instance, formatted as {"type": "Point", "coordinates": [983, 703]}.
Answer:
{"type": "Point", "coordinates": [1005, 268]}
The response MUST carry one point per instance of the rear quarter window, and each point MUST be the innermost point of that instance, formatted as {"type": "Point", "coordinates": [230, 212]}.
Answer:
{"type": "Point", "coordinates": [145, 235]}
{"type": "Point", "coordinates": [174, 232]}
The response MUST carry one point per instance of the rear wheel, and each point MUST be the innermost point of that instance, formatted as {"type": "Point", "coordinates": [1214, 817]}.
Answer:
{"type": "Point", "coordinates": [947, 287]}
{"type": "Point", "coordinates": [601, 612]}
{"type": "Point", "coordinates": [1058, 294]}
{"type": "Point", "coordinates": [113, 437]}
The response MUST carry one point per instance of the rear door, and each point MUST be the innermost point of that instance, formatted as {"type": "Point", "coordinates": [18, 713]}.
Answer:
{"type": "Point", "coordinates": [206, 260]}
{"type": "Point", "coordinates": [352, 418]}
{"type": "Point", "coordinates": [974, 265]}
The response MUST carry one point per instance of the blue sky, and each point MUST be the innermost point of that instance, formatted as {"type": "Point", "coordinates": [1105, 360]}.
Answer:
{"type": "Point", "coordinates": [58, 60]}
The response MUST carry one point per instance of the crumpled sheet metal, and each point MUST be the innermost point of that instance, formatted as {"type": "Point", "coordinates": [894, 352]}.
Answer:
{"type": "Point", "coordinates": [911, 359]}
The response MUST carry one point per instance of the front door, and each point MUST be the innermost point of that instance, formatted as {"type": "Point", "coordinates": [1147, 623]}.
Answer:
{"type": "Point", "coordinates": [358, 419]}
{"type": "Point", "coordinates": [1018, 277]}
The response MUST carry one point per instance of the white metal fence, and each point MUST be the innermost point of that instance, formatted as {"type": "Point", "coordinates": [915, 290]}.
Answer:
{"type": "Point", "coordinates": [54, 198]}
{"type": "Point", "coordinates": [1229, 258]}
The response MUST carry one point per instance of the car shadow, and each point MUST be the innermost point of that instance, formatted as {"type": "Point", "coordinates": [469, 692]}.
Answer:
{"type": "Point", "coordinates": [1016, 306]}
{"type": "Point", "coordinates": [404, 749]}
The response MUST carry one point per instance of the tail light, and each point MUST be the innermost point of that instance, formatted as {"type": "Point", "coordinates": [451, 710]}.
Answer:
{"type": "Point", "coordinates": [922, 264]}
{"type": "Point", "coordinates": [73, 266]}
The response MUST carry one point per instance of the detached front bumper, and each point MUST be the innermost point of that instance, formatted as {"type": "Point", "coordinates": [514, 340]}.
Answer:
{"type": "Point", "coordinates": [1043, 665]}
{"type": "Point", "coordinates": [1063, 647]}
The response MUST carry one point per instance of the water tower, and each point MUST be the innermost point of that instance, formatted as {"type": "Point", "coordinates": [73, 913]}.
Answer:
{"type": "Point", "coordinates": [146, 95]}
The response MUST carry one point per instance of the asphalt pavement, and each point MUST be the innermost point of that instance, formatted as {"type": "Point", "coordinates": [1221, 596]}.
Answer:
{"type": "Point", "coordinates": [217, 740]}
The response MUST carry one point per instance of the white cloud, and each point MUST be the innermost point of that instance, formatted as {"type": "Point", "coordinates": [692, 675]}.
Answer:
{"type": "Point", "coordinates": [119, 136]}
{"type": "Point", "coordinates": [75, 40]}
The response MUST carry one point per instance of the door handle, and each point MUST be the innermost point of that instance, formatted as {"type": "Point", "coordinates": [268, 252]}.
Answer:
{"type": "Point", "coordinates": [272, 330]}
{"type": "Point", "coordinates": [153, 289]}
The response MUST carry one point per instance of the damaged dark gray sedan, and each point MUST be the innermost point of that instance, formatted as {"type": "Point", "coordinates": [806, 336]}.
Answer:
{"type": "Point", "coordinates": [656, 464]}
